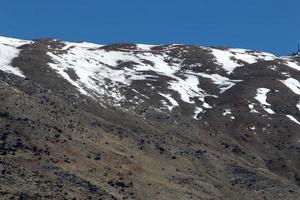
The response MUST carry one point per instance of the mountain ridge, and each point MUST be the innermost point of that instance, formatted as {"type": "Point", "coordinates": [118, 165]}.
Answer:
{"type": "Point", "coordinates": [139, 121]}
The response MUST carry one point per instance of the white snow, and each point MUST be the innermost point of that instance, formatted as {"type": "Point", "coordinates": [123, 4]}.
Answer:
{"type": "Point", "coordinates": [238, 50]}
{"type": "Point", "coordinates": [140, 93]}
{"type": "Point", "coordinates": [273, 67]}
{"type": "Point", "coordinates": [293, 84]}
{"type": "Point", "coordinates": [197, 111]}
{"type": "Point", "coordinates": [261, 97]}
{"type": "Point", "coordinates": [145, 47]}
{"type": "Point", "coordinates": [251, 56]}
{"type": "Point", "coordinates": [248, 58]}
{"type": "Point", "coordinates": [95, 66]}
{"type": "Point", "coordinates": [293, 119]}
{"type": "Point", "coordinates": [224, 58]}
{"type": "Point", "coordinates": [98, 70]}
{"type": "Point", "coordinates": [228, 59]}
{"type": "Point", "coordinates": [100, 76]}
{"type": "Point", "coordinates": [8, 51]}
{"type": "Point", "coordinates": [205, 105]}
{"type": "Point", "coordinates": [252, 128]}
{"type": "Point", "coordinates": [224, 83]}
{"type": "Point", "coordinates": [227, 112]}
{"type": "Point", "coordinates": [187, 88]}
{"type": "Point", "coordinates": [293, 65]}
{"type": "Point", "coordinates": [171, 100]}
{"type": "Point", "coordinates": [13, 42]}
{"type": "Point", "coordinates": [251, 107]}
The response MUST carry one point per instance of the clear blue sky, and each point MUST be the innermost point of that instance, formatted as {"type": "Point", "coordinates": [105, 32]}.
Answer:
{"type": "Point", "coordinates": [269, 25]}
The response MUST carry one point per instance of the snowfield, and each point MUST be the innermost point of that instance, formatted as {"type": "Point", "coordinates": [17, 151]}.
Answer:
{"type": "Point", "coordinates": [8, 51]}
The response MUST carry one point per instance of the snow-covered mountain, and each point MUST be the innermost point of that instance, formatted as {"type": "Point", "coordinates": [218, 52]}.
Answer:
{"type": "Point", "coordinates": [247, 98]}
{"type": "Point", "coordinates": [162, 77]}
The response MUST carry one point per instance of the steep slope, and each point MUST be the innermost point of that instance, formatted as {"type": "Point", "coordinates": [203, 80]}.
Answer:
{"type": "Point", "coordinates": [132, 121]}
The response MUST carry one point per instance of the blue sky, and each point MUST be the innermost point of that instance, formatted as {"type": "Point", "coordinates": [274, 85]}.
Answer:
{"type": "Point", "coordinates": [268, 25]}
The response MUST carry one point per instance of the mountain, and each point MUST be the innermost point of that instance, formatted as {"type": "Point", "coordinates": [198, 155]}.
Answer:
{"type": "Point", "coordinates": [133, 121]}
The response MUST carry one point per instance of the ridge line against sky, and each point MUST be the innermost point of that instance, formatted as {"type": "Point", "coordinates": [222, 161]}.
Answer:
{"type": "Point", "coordinates": [271, 26]}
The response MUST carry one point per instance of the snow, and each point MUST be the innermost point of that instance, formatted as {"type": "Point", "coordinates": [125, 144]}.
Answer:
{"type": "Point", "coordinates": [228, 58]}
{"type": "Point", "coordinates": [197, 111]}
{"type": "Point", "coordinates": [98, 70]}
{"type": "Point", "coordinates": [7, 54]}
{"type": "Point", "coordinates": [187, 88]}
{"type": "Point", "coordinates": [238, 50]}
{"type": "Point", "coordinates": [140, 94]}
{"type": "Point", "coordinates": [91, 72]}
{"type": "Point", "coordinates": [8, 51]}
{"type": "Point", "coordinates": [171, 100]}
{"type": "Point", "coordinates": [145, 47]}
{"type": "Point", "coordinates": [94, 66]}
{"type": "Point", "coordinates": [227, 112]}
{"type": "Point", "coordinates": [252, 110]}
{"type": "Point", "coordinates": [252, 128]}
{"type": "Point", "coordinates": [86, 45]}
{"type": "Point", "coordinates": [13, 42]}
{"type": "Point", "coordinates": [205, 105]}
{"type": "Point", "coordinates": [293, 84]}
{"type": "Point", "coordinates": [269, 110]}
{"type": "Point", "coordinates": [293, 119]}
{"type": "Point", "coordinates": [261, 97]}
{"type": "Point", "coordinates": [273, 67]}
{"type": "Point", "coordinates": [100, 75]}
{"type": "Point", "coordinates": [293, 65]}
{"type": "Point", "coordinates": [224, 83]}
{"type": "Point", "coordinates": [224, 58]}
{"type": "Point", "coordinates": [251, 56]}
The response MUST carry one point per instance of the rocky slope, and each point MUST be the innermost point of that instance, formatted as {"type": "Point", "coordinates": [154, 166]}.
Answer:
{"type": "Point", "coordinates": [132, 121]}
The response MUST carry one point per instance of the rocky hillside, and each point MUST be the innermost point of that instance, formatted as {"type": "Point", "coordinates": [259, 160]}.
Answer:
{"type": "Point", "coordinates": [132, 121]}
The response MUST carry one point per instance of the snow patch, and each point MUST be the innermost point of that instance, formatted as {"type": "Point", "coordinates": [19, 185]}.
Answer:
{"type": "Point", "coordinates": [252, 128]}
{"type": "Point", "coordinates": [145, 47]}
{"type": "Point", "coordinates": [227, 112]}
{"type": "Point", "coordinates": [293, 65]}
{"type": "Point", "coordinates": [293, 84]}
{"type": "Point", "coordinates": [229, 58]}
{"type": "Point", "coordinates": [224, 58]}
{"type": "Point", "coordinates": [171, 100]}
{"type": "Point", "coordinates": [8, 51]}
{"type": "Point", "coordinates": [224, 83]}
{"type": "Point", "coordinates": [187, 88]}
{"type": "Point", "coordinates": [197, 111]}
{"type": "Point", "coordinates": [261, 96]}
{"type": "Point", "coordinates": [252, 110]}
{"type": "Point", "coordinates": [293, 119]}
